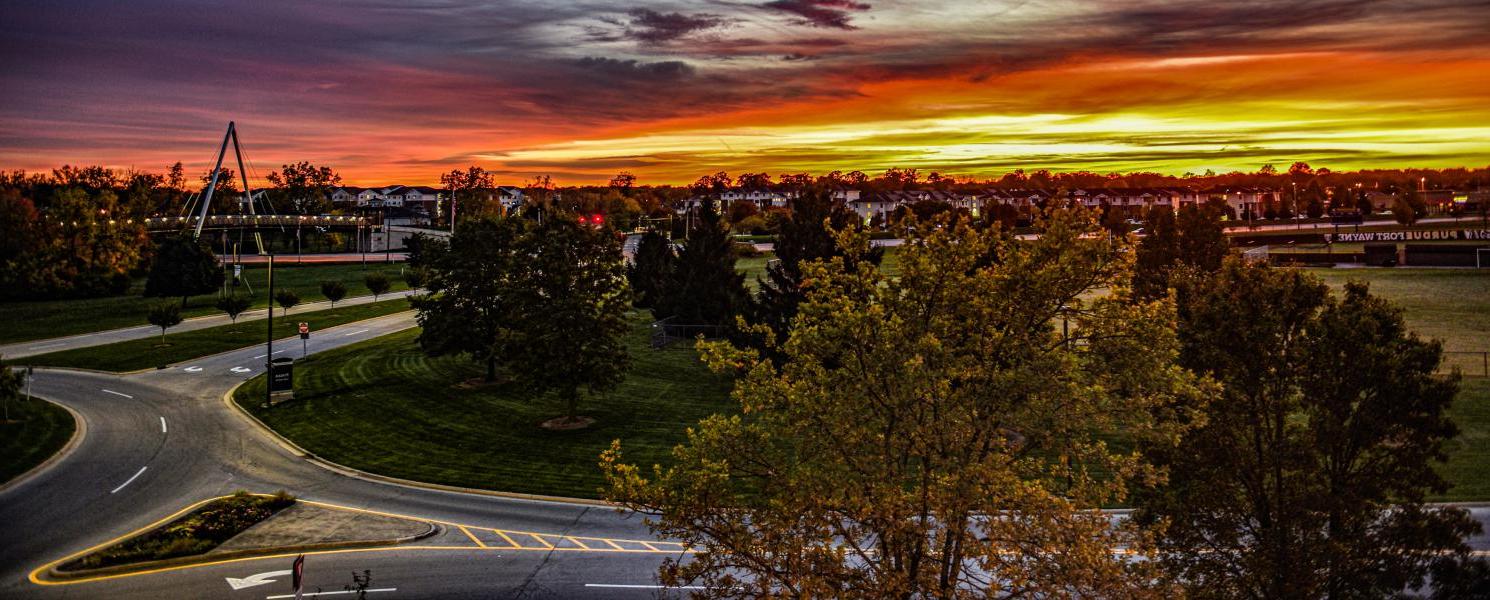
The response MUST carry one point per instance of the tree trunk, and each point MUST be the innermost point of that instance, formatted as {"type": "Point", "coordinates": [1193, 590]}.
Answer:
{"type": "Point", "coordinates": [571, 401]}
{"type": "Point", "coordinates": [491, 369]}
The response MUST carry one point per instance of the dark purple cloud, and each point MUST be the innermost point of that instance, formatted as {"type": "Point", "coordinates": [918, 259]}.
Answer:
{"type": "Point", "coordinates": [654, 27]}
{"type": "Point", "coordinates": [820, 13]}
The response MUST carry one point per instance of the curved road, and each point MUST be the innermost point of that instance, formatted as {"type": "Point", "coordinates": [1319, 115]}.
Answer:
{"type": "Point", "coordinates": [159, 441]}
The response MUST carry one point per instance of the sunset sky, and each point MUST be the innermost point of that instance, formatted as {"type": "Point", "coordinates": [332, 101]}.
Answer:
{"type": "Point", "coordinates": [397, 91]}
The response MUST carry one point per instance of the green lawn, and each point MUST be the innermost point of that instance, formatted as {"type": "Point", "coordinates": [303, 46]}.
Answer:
{"type": "Point", "coordinates": [148, 352]}
{"type": "Point", "coordinates": [22, 321]}
{"type": "Point", "coordinates": [1468, 468]}
{"type": "Point", "coordinates": [384, 407]}
{"type": "Point", "coordinates": [37, 429]}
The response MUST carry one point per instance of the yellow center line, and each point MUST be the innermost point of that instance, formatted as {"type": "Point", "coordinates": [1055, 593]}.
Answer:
{"type": "Point", "coordinates": [612, 544]}
{"type": "Point", "coordinates": [471, 535]}
{"type": "Point", "coordinates": [649, 546]}
{"type": "Point", "coordinates": [540, 539]}
{"type": "Point", "coordinates": [579, 543]}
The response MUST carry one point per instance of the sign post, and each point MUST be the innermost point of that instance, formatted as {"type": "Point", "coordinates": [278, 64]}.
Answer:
{"type": "Point", "coordinates": [304, 336]}
{"type": "Point", "coordinates": [297, 575]}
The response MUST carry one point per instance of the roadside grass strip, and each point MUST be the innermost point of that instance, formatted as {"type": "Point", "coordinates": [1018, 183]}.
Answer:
{"type": "Point", "coordinates": [483, 539]}
{"type": "Point", "coordinates": [43, 319]}
{"type": "Point", "coordinates": [148, 353]}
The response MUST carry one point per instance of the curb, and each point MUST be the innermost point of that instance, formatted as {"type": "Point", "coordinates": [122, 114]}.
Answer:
{"type": "Point", "coordinates": [296, 450]}
{"type": "Point", "coordinates": [55, 574]}
{"type": "Point", "coordinates": [79, 431]}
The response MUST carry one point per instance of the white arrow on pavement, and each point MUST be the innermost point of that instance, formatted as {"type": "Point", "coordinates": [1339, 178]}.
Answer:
{"type": "Point", "coordinates": [256, 579]}
{"type": "Point", "coordinates": [193, 369]}
{"type": "Point", "coordinates": [240, 369]}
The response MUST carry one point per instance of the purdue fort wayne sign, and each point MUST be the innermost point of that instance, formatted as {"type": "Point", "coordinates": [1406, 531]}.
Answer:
{"type": "Point", "coordinates": [1411, 236]}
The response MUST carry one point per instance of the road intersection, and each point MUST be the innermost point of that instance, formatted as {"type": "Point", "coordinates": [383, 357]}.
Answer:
{"type": "Point", "coordinates": [162, 440]}
{"type": "Point", "coordinates": [159, 441]}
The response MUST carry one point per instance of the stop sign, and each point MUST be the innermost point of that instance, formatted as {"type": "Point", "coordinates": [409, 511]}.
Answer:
{"type": "Point", "coordinates": [305, 330]}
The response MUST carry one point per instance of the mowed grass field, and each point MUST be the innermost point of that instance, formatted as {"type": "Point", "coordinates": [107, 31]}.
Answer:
{"type": "Point", "coordinates": [36, 430]}
{"type": "Point", "coordinates": [1452, 305]}
{"type": "Point", "coordinates": [23, 321]}
{"type": "Point", "coordinates": [385, 407]}
{"type": "Point", "coordinates": [148, 353]}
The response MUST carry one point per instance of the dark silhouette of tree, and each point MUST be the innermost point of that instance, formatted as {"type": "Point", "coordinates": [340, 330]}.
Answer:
{"type": "Point", "coordinates": [469, 191]}
{"type": "Point", "coordinates": [705, 288]}
{"type": "Point", "coordinates": [233, 306]}
{"type": "Point", "coordinates": [1194, 240]}
{"type": "Point", "coordinates": [183, 267]}
{"type": "Point", "coordinates": [1308, 477]}
{"type": "Point", "coordinates": [572, 297]}
{"type": "Point", "coordinates": [377, 283]}
{"type": "Point", "coordinates": [333, 291]}
{"type": "Point", "coordinates": [807, 236]}
{"type": "Point", "coordinates": [651, 269]}
{"type": "Point", "coordinates": [286, 299]}
{"type": "Point", "coordinates": [303, 188]}
{"type": "Point", "coordinates": [471, 290]}
{"type": "Point", "coordinates": [164, 315]}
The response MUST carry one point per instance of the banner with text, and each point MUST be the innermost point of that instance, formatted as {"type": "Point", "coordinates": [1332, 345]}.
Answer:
{"type": "Point", "coordinates": [1411, 236]}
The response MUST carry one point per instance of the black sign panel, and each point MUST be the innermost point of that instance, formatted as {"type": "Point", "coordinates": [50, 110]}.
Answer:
{"type": "Point", "coordinates": [281, 375]}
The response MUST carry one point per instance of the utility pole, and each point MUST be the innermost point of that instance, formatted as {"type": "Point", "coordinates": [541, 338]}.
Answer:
{"type": "Point", "coordinates": [269, 342]}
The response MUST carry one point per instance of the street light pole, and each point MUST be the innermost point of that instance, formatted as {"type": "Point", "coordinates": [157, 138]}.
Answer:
{"type": "Point", "coordinates": [269, 342]}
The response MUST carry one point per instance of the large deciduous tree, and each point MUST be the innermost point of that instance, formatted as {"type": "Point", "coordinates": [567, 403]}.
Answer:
{"type": "Point", "coordinates": [469, 191]}
{"type": "Point", "coordinates": [571, 303]}
{"type": "Point", "coordinates": [471, 293]}
{"type": "Point", "coordinates": [932, 435]}
{"type": "Point", "coordinates": [183, 267]}
{"type": "Point", "coordinates": [303, 188]}
{"type": "Point", "coordinates": [1308, 478]}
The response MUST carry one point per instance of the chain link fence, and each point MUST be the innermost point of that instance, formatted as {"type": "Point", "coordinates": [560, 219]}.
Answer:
{"type": "Point", "coordinates": [1469, 363]}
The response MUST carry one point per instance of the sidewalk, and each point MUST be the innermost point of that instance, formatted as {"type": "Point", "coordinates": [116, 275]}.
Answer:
{"type": "Point", "coordinates": [98, 338]}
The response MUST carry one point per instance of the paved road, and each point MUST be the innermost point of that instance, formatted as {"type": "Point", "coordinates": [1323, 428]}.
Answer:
{"type": "Point", "coordinates": [84, 340]}
{"type": "Point", "coordinates": [159, 441]}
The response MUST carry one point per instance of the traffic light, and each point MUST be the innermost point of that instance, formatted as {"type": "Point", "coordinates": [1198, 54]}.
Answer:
{"type": "Point", "coordinates": [597, 220]}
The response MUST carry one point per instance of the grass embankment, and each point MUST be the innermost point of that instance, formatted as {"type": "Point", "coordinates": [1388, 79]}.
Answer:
{"type": "Point", "coordinates": [22, 321]}
{"type": "Point", "coordinates": [148, 353]}
{"type": "Point", "coordinates": [36, 430]}
{"type": "Point", "coordinates": [194, 533]}
{"type": "Point", "coordinates": [1452, 305]}
{"type": "Point", "coordinates": [384, 407]}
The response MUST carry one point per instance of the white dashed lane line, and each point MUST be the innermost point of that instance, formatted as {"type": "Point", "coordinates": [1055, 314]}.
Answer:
{"type": "Point", "coordinates": [118, 394]}
{"type": "Point", "coordinates": [162, 424]}
{"type": "Point", "coordinates": [130, 480]}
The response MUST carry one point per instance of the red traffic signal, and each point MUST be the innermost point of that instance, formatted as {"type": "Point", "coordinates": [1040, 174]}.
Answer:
{"type": "Point", "coordinates": [596, 219]}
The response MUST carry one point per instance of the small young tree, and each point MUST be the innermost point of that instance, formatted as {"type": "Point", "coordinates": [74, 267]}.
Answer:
{"type": "Point", "coordinates": [415, 277]}
{"type": "Point", "coordinates": [11, 381]}
{"type": "Point", "coordinates": [650, 268]}
{"type": "Point", "coordinates": [183, 267]}
{"type": "Point", "coordinates": [377, 283]}
{"type": "Point", "coordinates": [164, 315]}
{"type": "Point", "coordinates": [333, 291]}
{"type": "Point", "coordinates": [233, 305]}
{"type": "Point", "coordinates": [286, 298]}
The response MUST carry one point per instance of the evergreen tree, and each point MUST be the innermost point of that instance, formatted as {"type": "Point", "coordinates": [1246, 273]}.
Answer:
{"type": "Point", "coordinates": [651, 268]}
{"type": "Point", "coordinates": [1194, 240]}
{"type": "Point", "coordinates": [1308, 476]}
{"type": "Point", "coordinates": [704, 289]}
{"type": "Point", "coordinates": [805, 237]}
{"type": "Point", "coordinates": [1158, 251]}
{"type": "Point", "coordinates": [183, 267]}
